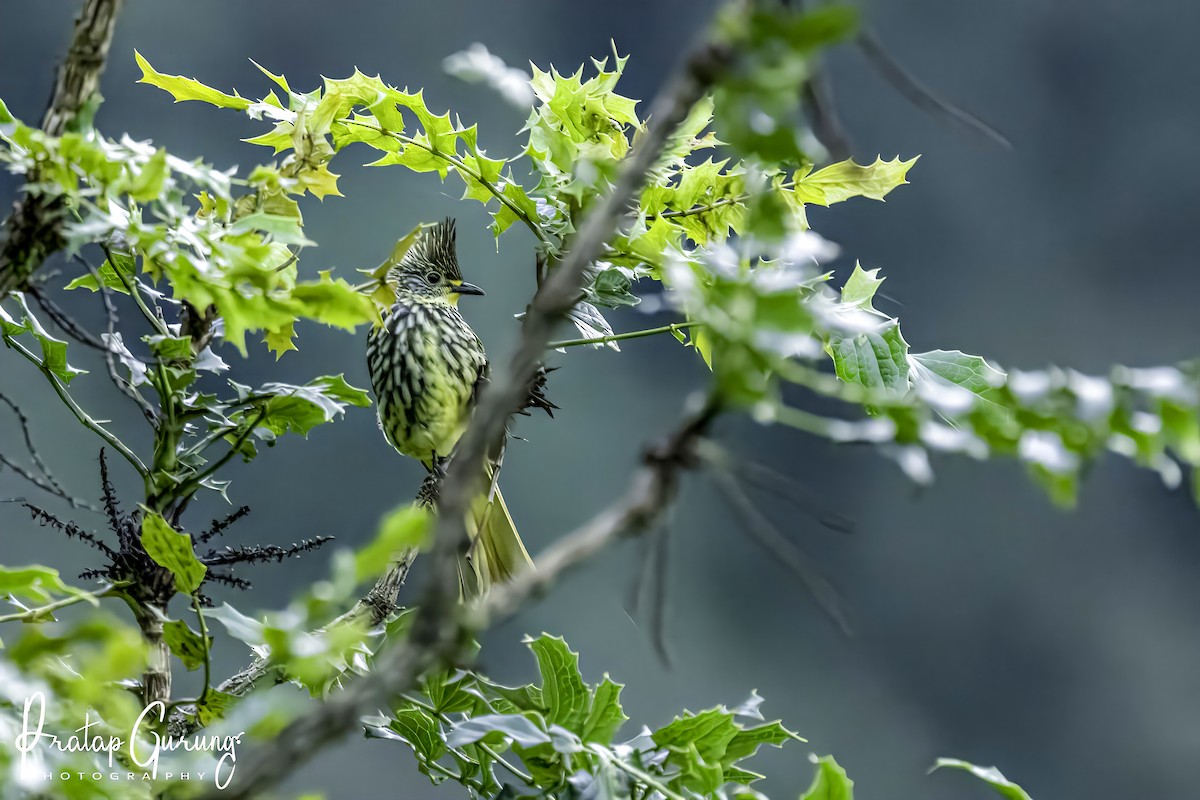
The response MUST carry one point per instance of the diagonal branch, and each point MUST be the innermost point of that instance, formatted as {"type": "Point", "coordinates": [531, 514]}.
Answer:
{"type": "Point", "coordinates": [650, 493]}
{"type": "Point", "coordinates": [442, 629]}
{"type": "Point", "coordinates": [33, 231]}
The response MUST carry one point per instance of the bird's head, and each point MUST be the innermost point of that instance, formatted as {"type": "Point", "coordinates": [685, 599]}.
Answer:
{"type": "Point", "coordinates": [429, 271]}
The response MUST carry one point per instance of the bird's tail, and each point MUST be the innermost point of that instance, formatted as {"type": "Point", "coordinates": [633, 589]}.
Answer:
{"type": "Point", "coordinates": [497, 552]}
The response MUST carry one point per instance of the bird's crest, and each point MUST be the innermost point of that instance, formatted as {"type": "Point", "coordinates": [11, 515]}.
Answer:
{"type": "Point", "coordinates": [436, 248]}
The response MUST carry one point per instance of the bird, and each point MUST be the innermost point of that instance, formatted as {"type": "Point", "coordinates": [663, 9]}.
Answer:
{"type": "Point", "coordinates": [427, 366]}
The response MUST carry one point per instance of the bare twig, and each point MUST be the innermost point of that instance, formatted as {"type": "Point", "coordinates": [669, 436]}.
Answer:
{"type": "Point", "coordinates": [779, 547]}
{"type": "Point", "coordinates": [125, 387]}
{"type": "Point", "coordinates": [62, 319]}
{"type": "Point", "coordinates": [920, 95]}
{"type": "Point", "coordinates": [785, 488]}
{"type": "Point", "coordinates": [33, 230]}
{"type": "Point", "coordinates": [41, 477]}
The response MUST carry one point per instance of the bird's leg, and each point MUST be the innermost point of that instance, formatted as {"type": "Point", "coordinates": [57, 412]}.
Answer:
{"type": "Point", "coordinates": [537, 393]}
{"type": "Point", "coordinates": [432, 484]}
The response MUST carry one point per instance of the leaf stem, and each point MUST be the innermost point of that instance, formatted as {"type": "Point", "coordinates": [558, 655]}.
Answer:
{"type": "Point", "coordinates": [79, 413]}
{"type": "Point", "coordinates": [207, 652]}
{"type": "Point", "coordinates": [620, 337]}
{"type": "Point", "coordinates": [461, 166]}
{"type": "Point", "coordinates": [134, 287]}
{"type": "Point", "coordinates": [194, 483]}
{"type": "Point", "coordinates": [644, 777]}
{"type": "Point", "coordinates": [485, 748]}
{"type": "Point", "coordinates": [724, 201]}
{"type": "Point", "coordinates": [34, 613]}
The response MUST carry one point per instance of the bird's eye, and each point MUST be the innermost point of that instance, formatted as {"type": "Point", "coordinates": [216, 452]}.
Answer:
{"type": "Point", "coordinates": [432, 278]}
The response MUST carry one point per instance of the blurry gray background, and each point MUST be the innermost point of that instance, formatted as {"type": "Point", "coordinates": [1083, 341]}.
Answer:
{"type": "Point", "coordinates": [1064, 648]}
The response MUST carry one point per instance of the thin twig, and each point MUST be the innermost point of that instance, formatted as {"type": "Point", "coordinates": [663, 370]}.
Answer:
{"type": "Point", "coordinates": [125, 387]}
{"type": "Point", "coordinates": [33, 613]}
{"type": "Point", "coordinates": [921, 96]}
{"type": "Point", "coordinates": [462, 167]}
{"type": "Point", "coordinates": [780, 548]}
{"type": "Point", "coordinates": [63, 320]}
{"type": "Point", "coordinates": [46, 480]}
{"type": "Point", "coordinates": [79, 413]}
{"type": "Point", "coordinates": [620, 337]}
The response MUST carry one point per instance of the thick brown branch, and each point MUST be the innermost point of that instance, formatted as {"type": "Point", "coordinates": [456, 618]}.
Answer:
{"type": "Point", "coordinates": [33, 231]}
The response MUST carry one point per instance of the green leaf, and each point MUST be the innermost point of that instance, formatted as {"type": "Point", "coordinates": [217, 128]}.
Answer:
{"type": "Point", "coordinates": [563, 690]}
{"type": "Point", "coordinates": [54, 351]}
{"type": "Point", "coordinates": [187, 88]}
{"type": "Point", "coordinates": [516, 727]}
{"type": "Point", "coordinates": [970, 372]}
{"type": "Point", "coordinates": [170, 348]}
{"type": "Point", "coordinates": [281, 228]}
{"type": "Point", "coordinates": [831, 782]}
{"type": "Point", "coordinates": [35, 583]}
{"type": "Point", "coordinates": [186, 644]}
{"type": "Point", "coordinates": [861, 287]}
{"type": "Point", "coordinates": [334, 302]}
{"type": "Point", "coordinates": [238, 625]}
{"type": "Point", "coordinates": [990, 775]}
{"type": "Point", "coordinates": [746, 742]}
{"type": "Point", "coordinates": [504, 217]}
{"type": "Point", "coordinates": [709, 731]}
{"type": "Point", "coordinates": [611, 288]}
{"type": "Point", "coordinates": [172, 550]}
{"type": "Point", "coordinates": [605, 715]}
{"type": "Point", "coordinates": [117, 275]}
{"type": "Point", "coordinates": [214, 706]}
{"type": "Point", "coordinates": [149, 181]}
{"type": "Point", "coordinates": [280, 341]}
{"type": "Point", "coordinates": [844, 180]}
{"type": "Point", "coordinates": [404, 527]}
{"type": "Point", "coordinates": [875, 360]}
{"type": "Point", "coordinates": [299, 409]}
{"type": "Point", "coordinates": [421, 731]}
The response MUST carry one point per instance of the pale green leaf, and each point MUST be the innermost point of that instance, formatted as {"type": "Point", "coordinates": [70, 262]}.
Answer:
{"type": "Point", "coordinates": [172, 550]}
{"type": "Point", "coordinates": [182, 88]}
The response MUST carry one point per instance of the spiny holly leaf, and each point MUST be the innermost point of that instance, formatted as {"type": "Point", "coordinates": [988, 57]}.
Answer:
{"type": "Point", "coordinates": [54, 350]}
{"type": "Point", "coordinates": [415, 726]}
{"type": "Point", "coordinates": [861, 287]}
{"type": "Point", "coordinates": [830, 783]}
{"type": "Point", "coordinates": [874, 359]}
{"type": "Point", "coordinates": [844, 180]}
{"type": "Point", "coordinates": [301, 408]}
{"type": "Point", "coordinates": [605, 716]}
{"type": "Point", "coordinates": [279, 341]}
{"type": "Point", "coordinates": [565, 694]}
{"type": "Point", "coordinates": [515, 727]}
{"type": "Point", "coordinates": [186, 644]}
{"type": "Point", "coordinates": [333, 302]}
{"type": "Point", "coordinates": [172, 550]}
{"type": "Point", "coordinates": [990, 775]}
{"type": "Point", "coordinates": [117, 274]}
{"type": "Point", "coordinates": [710, 732]}
{"type": "Point", "coordinates": [182, 88]}
{"type": "Point", "coordinates": [957, 368]}
{"type": "Point", "coordinates": [213, 706]}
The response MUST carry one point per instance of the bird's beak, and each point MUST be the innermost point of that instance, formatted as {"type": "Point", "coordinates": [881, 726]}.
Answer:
{"type": "Point", "coordinates": [466, 288]}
